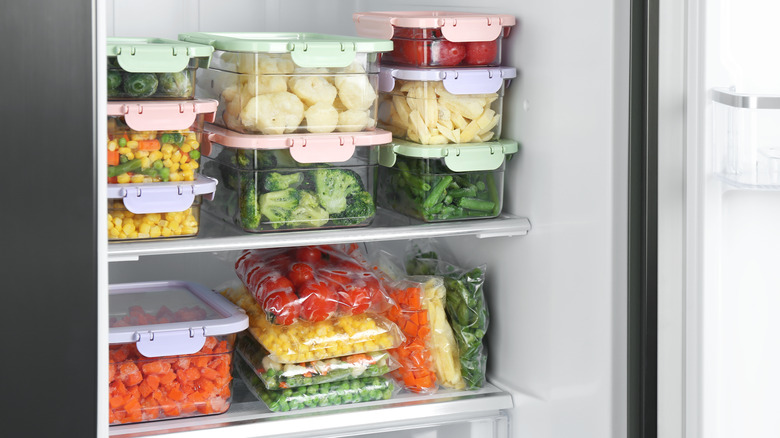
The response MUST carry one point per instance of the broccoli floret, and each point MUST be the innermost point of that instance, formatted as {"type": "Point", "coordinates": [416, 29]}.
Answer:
{"type": "Point", "coordinates": [275, 181]}
{"type": "Point", "coordinates": [114, 81]}
{"type": "Point", "coordinates": [175, 84]}
{"type": "Point", "coordinates": [250, 210]}
{"type": "Point", "coordinates": [277, 206]}
{"type": "Point", "coordinates": [360, 206]}
{"type": "Point", "coordinates": [308, 213]}
{"type": "Point", "coordinates": [140, 84]}
{"type": "Point", "coordinates": [333, 186]}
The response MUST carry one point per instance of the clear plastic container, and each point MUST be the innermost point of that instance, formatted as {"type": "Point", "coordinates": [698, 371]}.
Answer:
{"type": "Point", "coordinates": [746, 137]}
{"type": "Point", "coordinates": [284, 83]}
{"type": "Point", "coordinates": [156, 211]}
{"type": "Point", "coordinates": [443, 183]}
{"type": "Point", "coordinates": [276, 183]}
{"type": "Point", "coordinates": [437, 38]}
{"type": "Point", "coordinates": [171, 351]}
{"type": "Point", "coordinates": [156, 141]}
{"type": "Point", "coordinates": [153, 68]}
{"type": "Point", "coordinates": [443, 106]}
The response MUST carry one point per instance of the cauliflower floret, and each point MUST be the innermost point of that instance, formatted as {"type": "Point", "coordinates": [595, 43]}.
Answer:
{"type": "Point", "coordinates": [229, 93]}
{"type": "Point", "coordinates": [321, 118]}
{"type": "Point", "coordinates": [233, 107]}
{"type": "Point", "coordinates": [353, 120]}
{"type": "Point", "coordinates": [355, 91]}
{"type": "Point", "coordinates": [313, 89]}
{"type": "Point", "coordinates": [322, 71]}
{"type": "Point", "coordinates": [251, 63]}
{"type": "Point", "coordinates": [264, 84]}
{"type": "Point", "coordinates": [274, 113]}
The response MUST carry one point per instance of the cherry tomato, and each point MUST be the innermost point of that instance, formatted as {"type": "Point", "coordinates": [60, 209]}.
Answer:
{"type": "Point", "coordinates": [481, 52]}
{"type": "Point", "coordinates": [282, 307]}
{"type": "Point", "coordinates": [273, 283]}
{"type": "Point", "coordinates": [445, 52]}
{"type": "Point", "coordinates": [308, 254]}
{"type": "Point", "coordinates": [300, 273]}
{"type": "Point", "coordinates": [337, 279]}
{"type": "Point", "coordinates": [318, 301]}
{"type": "Point", "coordinates": [256, 276]}
{"type": "Point", "coordinates": [414, 52]}
{"type": "Point", "coordinates": [355, 299]}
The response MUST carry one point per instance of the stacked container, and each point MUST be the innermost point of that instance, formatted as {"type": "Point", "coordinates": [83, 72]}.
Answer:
{"type": "Point", "coordinates": [441, 95]}
{"type": "Point", "coordinates": [295, 136]}
{"type": "Point", "coordinates": [155, 132]}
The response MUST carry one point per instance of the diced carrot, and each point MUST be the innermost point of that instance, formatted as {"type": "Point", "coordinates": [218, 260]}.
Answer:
{"type": "Point", "coordinates": [113, 180]}
{"type": "Point", "coordinates": [198, 397]}
{"type": "Point", "coordinates": [158, 396]}
{"type": "Point", "coordinates": [181, 375]}
{"type": "Point", "coordinates": [205, 409]}
{"type": "Point", "coordinates": [209, 374]}
{"type": "Point", "coordinates": [192, 374]}
{"type": "Point", "coordinates": [116, 402]}
{"type": "Point", "coordinates": [153, 381]}
{"type": "Point", "coordinates": [119, 415]}
{"type": "Point", "coordinates": [117, 387]}
{"type": "Point", "coordinates": [188, 388]}
{"type": "Point", "coordinates": [176, 394]}
{"type": "Point", "coordinates": [171, 410]}
{"type": "Point", "coordinates": [149, 145]}
{"type": "Point", "coordinates": [145, 389]}
{"type": "Point", "coordinates": [134, 378]}
{"type": "Point", "coordinates": [133, 406]}
{"type": "Point", "coordinates": [201, 361]}
{"type": "Point", "coordinates": [187, 407]}
{"type": "Point", "coordinates": [205, 385]}
{"type": "Point", "coordinates": [182, 363]}
{"type": "Point", "coordinates": [358, 358]}
{"type": "Point", "coordinates": [156, 367]}
{"type": "Point", "coordinates": [111, 372]}
{"type": "Point", "coordinates": [225, 392]}
{"type": "Point", "coordinates": [113, 157]}
{"type": "Point", "coordinates": [111, 417]}
{"type": "Point", "coordinates": [210, 343]}
{"type": "Point", "coordinates": [150, 408]}
{"type": "Point", "coordinates": [222, 347]}
{"type": "Point", "coordinates": [168, 378]}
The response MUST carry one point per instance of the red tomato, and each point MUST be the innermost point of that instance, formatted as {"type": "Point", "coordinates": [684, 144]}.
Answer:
{"type": "Point", "coordinates": [282, 307]}
{"type": "Point", "coordinates": [300, 273]}
{"type": "Point", "coordinates": [271, 284]}
{"type": "Point", "coordinates": [414, 52]}
{"type": "Point", "coordinates": [445, 52]}
{"type": "Point", "coordinates": [337, 279]}
{"type": "Point", "coordinates": [481, 52]}
{"type": "Point", "coordinates": [355, 299]}
{"type": "Point", "coordinates": [318, 301]}
{"type": "Point", "coordinates": [308, 254]}
{"type": "Point", "coordinates": [255, 277]}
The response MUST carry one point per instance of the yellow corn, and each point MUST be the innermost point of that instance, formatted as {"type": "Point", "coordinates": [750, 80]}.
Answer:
{"type": "Point", "coordinates": [125, 150]}
{"type": "Point", "coordinates": [112, 145]}
{"type": "Point", "coordinates": [167, 162]}
{"type": "Point", "coordinates": [167, 148]}
{"type": "Point", "coordinates": [186, 166]}
{"type": "Point", "coordinates": [137, 179]}
{"type": "Point", "coordinates": [123, 178]}
{"type": "Point", "coordinates": [142, 154]}
{"type": "Point", "coordinates": [175, 176]}
{"type": "Point", "coordinates": [194, 164]}
{"type": "Point", "coordinates": [186, 148]}
{"type": "Point", "coordinates": [166, 232]}
{"type": "Point", "coordinates": [132, 144]}
{"type": "Point", "coordinates": [155, 231]}
{"type": "Point", "coordinates": [188, 175]}
{"type": "Point", "coordinates": [191, 136]}
{"type": "Point", "coordinates": [146, 162]}
{"type": "Point", "coordinates": [155, 155]}
{"type": "Point", "coordinates": [174, 167]}
{"type": "Point", "coordinates": [176, 157]}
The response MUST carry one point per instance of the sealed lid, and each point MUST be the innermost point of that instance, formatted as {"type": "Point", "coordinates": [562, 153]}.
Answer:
{"type": "Point", "coordinates": [167, 318]}
{"type": "Point", "coordinates": [162, 115]}
{"type": "Point", "coordinates": [455, 80]}
{"type": "Point", "coordinates": [306, 49]}
{"type": "Point", "coordinates": [304, 148]}
{"type": "Point", "coordinates": [465, 157]}
{"type": "Point", "coordinates": [455, 26]}
{"type": "Point", "coordinates": [156, 55]}
{"type": "Point", "coordinates": [162, 197]}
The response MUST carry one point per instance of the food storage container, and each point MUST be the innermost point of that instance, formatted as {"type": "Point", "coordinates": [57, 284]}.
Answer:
{"type": "Point", "coordinates": [318, 395]}
{"type": "Point", "coordinates": [443, 106]}
{"type": "Point", "coordinates": [443, 183]}
{"type": "Point", "coordinates": [746, 136]}
{"type": "Point", "coordinates": [437, 38]}
{"type": "Point", "coordinates": [170, 352]}
{"type": "Point", "coordinates": [156, 141]}
{"type": "Point", "coordinates": [158, 210]}
{"type": "Point", "coordinates": [282, 83]}
{"type": "Point", "coordinates": [153, 68]}
{"type": "Point", "coordinates": [272, 183]}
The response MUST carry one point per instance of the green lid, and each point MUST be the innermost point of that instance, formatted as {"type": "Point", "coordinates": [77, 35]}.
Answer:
{"type": "Point", "coordinates": [156, 55]}
{"type": "Point", "coordinates": [465, 157]}
{"type": "Point", "coordinates": [306, 49]}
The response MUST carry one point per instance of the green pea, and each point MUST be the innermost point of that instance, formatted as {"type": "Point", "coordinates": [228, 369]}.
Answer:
{"type": "Point", "coordinates": [194, 154]}
{"type": "Point", "coordinates": [122, 142]}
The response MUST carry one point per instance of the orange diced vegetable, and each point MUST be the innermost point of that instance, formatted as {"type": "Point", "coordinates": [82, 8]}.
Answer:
{"type": "Point", "coordinates": [149, 145]}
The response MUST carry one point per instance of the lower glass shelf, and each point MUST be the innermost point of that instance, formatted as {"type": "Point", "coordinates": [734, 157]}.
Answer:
{"type": "Point", "coordinates": [216, 235]}
{"type": "Point", "coordinates": [248, 417]}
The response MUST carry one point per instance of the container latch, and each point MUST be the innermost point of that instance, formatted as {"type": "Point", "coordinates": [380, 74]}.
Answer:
{"type": "Point", "coordinates": [171, 343]}
{"type": "Point", "coordinates": [158, 198]}
{"type": "Point", "coordinates": [464, 29]}
{"type": "Point", "coordinates": [474, 158]}
{"type": "Point", "coordinates": [152, 59]}
{"type": "Point", "coordinates": [322, 149]}
{"type": "Point", "coordinates": [479, 81]}
{"type": "Point", "coordinates": [159, 116]}
{"type": "Point", "coordinates": [314, 54]}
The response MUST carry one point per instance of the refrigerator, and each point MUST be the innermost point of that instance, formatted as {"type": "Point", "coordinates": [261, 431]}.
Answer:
{"type": "Point", "coordinates": [573, 261]}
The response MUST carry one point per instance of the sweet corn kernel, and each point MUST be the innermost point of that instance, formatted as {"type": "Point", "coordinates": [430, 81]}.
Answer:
{"type": "Point", "coordinates": [174, 167]}
{"type": "Point", "coordinates": [166, 156]}
{"type": "Point", "coordinates": [194, 164]}
{"type": "Point", "coordinates": [145, 228]}
{"type": "Point", "coordinates": [128, 228]}
{"type": "Point", "coordinates": [166, 232]}
{"type": "Point", "coordinates": [167, 162]}
{"type": "Point", "coordinates": [130, 156]}
{"type": "Point", "coordinates": [188, 175]}
{"type": "Point", "coordinates": [142, 154]}
{"type": "Point", "coordinates": [113, 233]}
{"type": "Point", "coordinates": [123, 178]}
{"type": "Point", "coordinates": [176, 157]}
{"type": "Point", "coordinates": [132, 144]}
{"type": "Point", "coordinates": [155, 155]}
{"type": "Point", "coordinates": [143, 235]}
{"type": "Point", "coordinates": [122, 236]}
{"type": "Point", "coordinates": [132, 235]}
{"type": "Point", "coordinates": [154, 217]}
{"type": "Point", "coordinates": [186, 166]}
{"type": "Point", "coordinates": [186, 148]}
{"type": "Point", "coordinates": [191, 136]}
{"type": "Point", "coordinates": [146, 162]}
{"type": "Point", "coordinates": [118, 222]}
{"type": "Point", "coordinates": [167, 148]}
{"type": "Point", "coordinates": [137, 179]}
{"type": "Point", "coordinates": [125, 150]}
{"type": "Point", "coordinates": [155, 231]}
{"type": "Point", "coordinates": [175, 176]}
{"type": "Point", "coordinates": [187, 230]}
{"type": "Point", "coordinates": [112, 145]}
{"type": "Point", "coordinates": [137, 136]}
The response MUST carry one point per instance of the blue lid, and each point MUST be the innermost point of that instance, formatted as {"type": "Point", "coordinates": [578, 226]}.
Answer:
{"type": "Point", "coordinates": [455, 80]}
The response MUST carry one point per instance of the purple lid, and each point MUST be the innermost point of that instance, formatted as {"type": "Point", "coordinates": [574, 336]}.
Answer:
{"type": "Point", "coordinates": [456, 80]}
{"type": "Point", "coordinates": [162, 197]}
{"type": "Point", "coordinates": [169, 318]}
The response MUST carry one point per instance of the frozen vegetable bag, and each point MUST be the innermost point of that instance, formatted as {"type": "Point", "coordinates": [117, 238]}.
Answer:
{"type": "Point", "coordinates": [171, 350]}
{"type": "Point", "coordinates": [284, 182]}
{"type": "Point", "coordinates": [153, 68]}
{"type": "Point", "coordinates": [282, 83]}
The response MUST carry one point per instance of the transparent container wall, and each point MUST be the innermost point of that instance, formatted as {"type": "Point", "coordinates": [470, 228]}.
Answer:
{"type": "Point", "coordinates": [747, 144]}
{"type": "Point", "coordinates": [125, 225]}
{"type": "Point", "coordinates": [123, 85]}
{"type": "Point", "coordinates": [269, 94]}
{"type": "Point", "coordinates": [424, 112]}
{"type": "Point", "coordinates": [152, 156]}
{"type": "Point", "coordinates": [146, 389]}
{"type": "Point", "coordinates": [425, 189]}
{"type": "Point", "coordinates": [486, 427]}
{"type": "Point", "coordinates": [267, 190]}
{"type": "Point", "coordinates": [420, 47]}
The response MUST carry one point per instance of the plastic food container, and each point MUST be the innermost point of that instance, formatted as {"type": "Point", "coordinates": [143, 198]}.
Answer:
{"type": "Point", "coordinates": [276, 183]}
{"type": "Point", "coordinates": [159, 210]}
{"type": "Point", "coordinates": [153, 68]}
{"type": "Point", "coordinates": [319, 395]}
{"type": "Point", "coordinates": [283, 83]}
{"type": "Point", "coordinates": [443, 183]}
{"type": "Point", "coordinates": [746, 136]}
{"type": "Point", "coordinates": [437, 38]}
{"type": "Point", "coordinates": [171, 350]}
{"type": "Point", "coordinates": [156, 141]}
{"type": "Point", "coordinates": [443, 106]}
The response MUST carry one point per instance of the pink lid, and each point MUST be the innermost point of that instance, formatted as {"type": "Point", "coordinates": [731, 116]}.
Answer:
{"type": "Point", "coordinates": [455, 26]}
{"type": "Point", "coordinates": [304, 148]}
{"type": "Point", "coordinates": [162, 115]}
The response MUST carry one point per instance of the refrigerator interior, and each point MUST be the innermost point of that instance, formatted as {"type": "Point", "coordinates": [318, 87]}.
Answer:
{"type": "Point", "coordinates": [557, 296]}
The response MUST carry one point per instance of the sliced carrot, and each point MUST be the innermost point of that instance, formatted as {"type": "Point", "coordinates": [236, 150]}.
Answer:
{"type": "Point", "coordinates": [210, 374]}
{"type": "Point", "coordinates": [168, 378]}
{"type": "Point", "coordinates": [113, 158]}
{"type": "Point", "coordinates": [149, 145]}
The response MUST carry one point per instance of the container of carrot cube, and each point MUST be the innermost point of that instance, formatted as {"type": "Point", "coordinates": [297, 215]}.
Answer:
{"type": "Point", "coordinates": [170, 352]}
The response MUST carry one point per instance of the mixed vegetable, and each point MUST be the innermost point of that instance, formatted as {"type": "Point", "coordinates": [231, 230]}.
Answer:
{"type": "Point", "coordinates": [276, 375]}
{"type": "Point", "coordinates": [426, 189]}
{"type": "Point", "coordinates": [123, 224]}
{"type": "Point", "coordinates": [429, 48]}
{"type": "Point", "coordinates": [150, 156]}
{"type": "Point", "coordinates": [122, 84]}
{"type": "Point", "coordinates": [323, 394]}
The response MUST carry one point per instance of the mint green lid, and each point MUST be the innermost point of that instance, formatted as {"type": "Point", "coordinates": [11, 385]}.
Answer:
{"type": "Point", "coordinates": [306, 49]}
{"type": "Point", "coordinates": [464, 157]}
{"type": "Point", "coordinates": [156, 55]}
